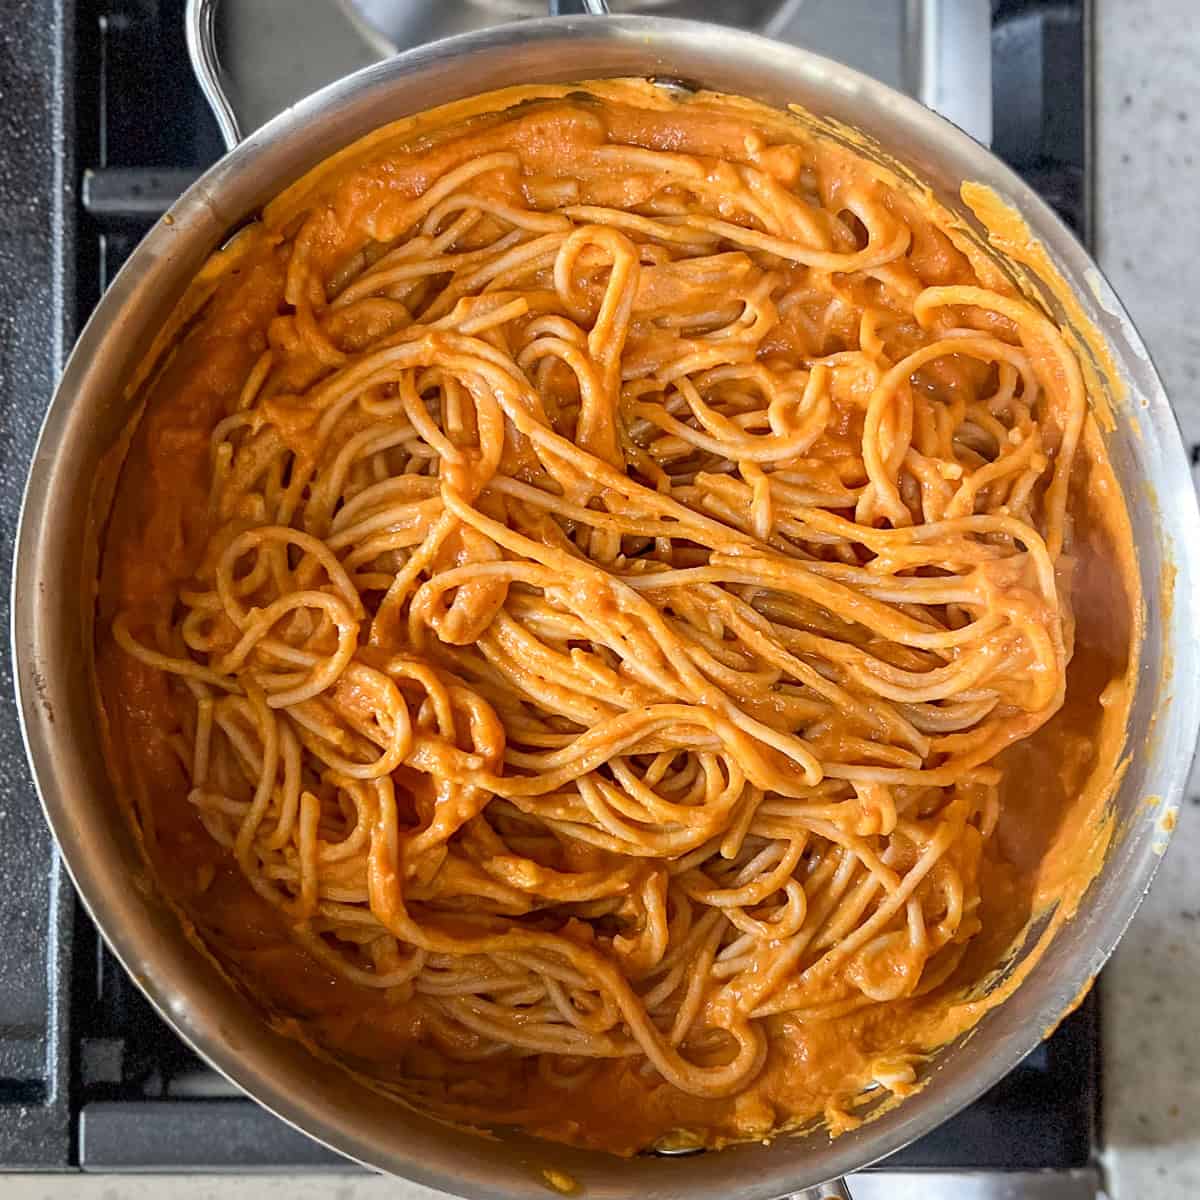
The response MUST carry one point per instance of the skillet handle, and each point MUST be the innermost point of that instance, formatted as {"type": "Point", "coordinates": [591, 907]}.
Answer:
{"type": "Point", "coordinates": [578, 8]}
{"type": "Point", "coordinates": [835, 1189]}
{"type": "Point", "coordinates": [200, 31]}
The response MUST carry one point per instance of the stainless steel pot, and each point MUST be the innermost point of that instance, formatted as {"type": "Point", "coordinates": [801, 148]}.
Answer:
{"type": "Point", "coordinates": [52, 628]}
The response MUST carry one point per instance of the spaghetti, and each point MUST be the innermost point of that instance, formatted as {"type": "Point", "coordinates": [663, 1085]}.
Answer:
{"type": "Point", "coordinates": [581, 568]}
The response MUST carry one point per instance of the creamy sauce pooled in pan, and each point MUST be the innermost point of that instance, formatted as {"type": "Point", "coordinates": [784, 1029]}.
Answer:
{"type": "Point", "coordinates": [615, 617]}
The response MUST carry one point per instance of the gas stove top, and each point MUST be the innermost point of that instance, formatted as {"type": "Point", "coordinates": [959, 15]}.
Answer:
{"type": "Point", "coordinates": [103, 127]}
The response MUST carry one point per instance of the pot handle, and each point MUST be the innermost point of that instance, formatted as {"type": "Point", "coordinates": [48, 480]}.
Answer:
{"type": "Point", "coordinates": [835, 1189]}
{"type": "Point", "coordinates": [200, 32]}
{"type": "Point", "coordinates": [578, 8]}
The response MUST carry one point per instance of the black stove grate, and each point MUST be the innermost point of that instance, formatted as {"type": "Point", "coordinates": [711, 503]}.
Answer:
{"type": "Point", "coordinates": [90, 1077]}
{"type": "Point", "coordinates": [38, 220]}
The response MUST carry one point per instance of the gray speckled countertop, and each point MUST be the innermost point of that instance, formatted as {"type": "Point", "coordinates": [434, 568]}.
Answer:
{"type": "Point", "coordinates": [1148, 240]}
{"type": "Point", "coordinates": [1148, 228]}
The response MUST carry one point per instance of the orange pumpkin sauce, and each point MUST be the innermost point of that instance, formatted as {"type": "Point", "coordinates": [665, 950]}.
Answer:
{"type": "Point", "coordinates": [1051, 831]}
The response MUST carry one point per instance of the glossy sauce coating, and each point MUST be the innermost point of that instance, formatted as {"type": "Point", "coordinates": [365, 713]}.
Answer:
{"type": "Point", "coordinates": [1048, 833]}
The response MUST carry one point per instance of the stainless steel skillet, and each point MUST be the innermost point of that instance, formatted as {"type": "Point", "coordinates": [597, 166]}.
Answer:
{"type": "Point", "coordinates": [52, 634]}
